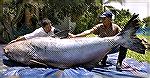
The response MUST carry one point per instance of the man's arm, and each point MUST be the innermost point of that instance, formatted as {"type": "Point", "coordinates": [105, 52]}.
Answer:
{"type": "Point", "coordinates": [118, 29]}
{"type": "Point", "coordinates": [18, 39]}
{"type": "Point", "coordinates": [87, 32]}
{"type": "Point", "coordinates": [38, 32]}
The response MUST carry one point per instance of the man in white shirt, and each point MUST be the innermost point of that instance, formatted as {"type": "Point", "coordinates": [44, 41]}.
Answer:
{"type": "Point", "coordinates": [46, 30]}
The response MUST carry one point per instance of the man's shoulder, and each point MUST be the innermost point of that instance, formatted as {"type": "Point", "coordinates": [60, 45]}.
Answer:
{"type": "Point", "coordinates": [39, 30]}
{"type": "Point", "coordinates": [115, 26]}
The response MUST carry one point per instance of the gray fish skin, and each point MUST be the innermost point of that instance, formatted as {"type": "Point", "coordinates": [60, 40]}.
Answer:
{"type": "Point", "coordinates": [74, 51]}
{"type": "Point", "coordinates": [61, 51]}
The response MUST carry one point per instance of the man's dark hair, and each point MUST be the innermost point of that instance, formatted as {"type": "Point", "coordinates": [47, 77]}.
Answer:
{"type": "Point", "coordinates": [45, 22]}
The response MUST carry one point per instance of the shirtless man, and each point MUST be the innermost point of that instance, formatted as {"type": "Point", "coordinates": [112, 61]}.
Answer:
{"type": "Point", "coordinates": [106, 29]}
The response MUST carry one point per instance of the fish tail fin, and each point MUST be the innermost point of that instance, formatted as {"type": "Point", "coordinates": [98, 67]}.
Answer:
{"type": "Point", "coordinates": [128, 34]}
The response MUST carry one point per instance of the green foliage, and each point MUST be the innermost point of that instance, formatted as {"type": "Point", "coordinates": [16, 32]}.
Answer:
{"type": "Point", "coordinates": [87, 20]}
{"type": "Point", "coordinates": [122, 17]}
{"type": "Point", "coordinates": [56, 10]}
{"type": "Point", "coordinates": [147, 21]}
{"type": "Point", "coordinates": [83, 12]}
{"type": "Point", "coordinates": [139, 57]}
{"type": "Point", "coordinates": [89, 17]}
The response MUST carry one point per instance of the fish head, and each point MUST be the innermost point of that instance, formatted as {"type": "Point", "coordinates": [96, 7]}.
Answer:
{"type": "Point", "coordinates": [9, 49]}
{"type": "Point", "coordinates": [16, 51]}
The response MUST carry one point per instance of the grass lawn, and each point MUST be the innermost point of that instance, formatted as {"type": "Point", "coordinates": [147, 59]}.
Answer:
{"type": "Point", "coordinates": [131, 54]}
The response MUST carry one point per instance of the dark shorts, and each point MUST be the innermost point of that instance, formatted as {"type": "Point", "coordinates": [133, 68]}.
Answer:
{"type": "Point", "coordinates": [114, 50]}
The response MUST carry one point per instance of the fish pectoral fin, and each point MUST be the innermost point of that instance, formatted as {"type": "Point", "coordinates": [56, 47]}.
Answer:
{"type": "Point", "coordinates": [36, 62]}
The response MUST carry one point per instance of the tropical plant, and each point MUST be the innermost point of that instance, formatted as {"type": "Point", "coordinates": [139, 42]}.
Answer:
{"type": "Point", "coordinates": [19, 18]}
{"type": "Point", "coordinates": [58, 9]}
{"type": "Point", "coordinates": [89, 18]}
{"type": "Point", "coordinates": [122, 17]}
{"type": "Point", "coordinates": [147, 21]}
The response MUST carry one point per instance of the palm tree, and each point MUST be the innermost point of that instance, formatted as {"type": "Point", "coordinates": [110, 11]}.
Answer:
{"type": "Point", "coordinates": [103, 4]}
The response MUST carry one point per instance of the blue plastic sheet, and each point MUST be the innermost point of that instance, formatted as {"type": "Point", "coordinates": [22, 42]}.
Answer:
{"type": "Point", "coordinates": [130, 69]}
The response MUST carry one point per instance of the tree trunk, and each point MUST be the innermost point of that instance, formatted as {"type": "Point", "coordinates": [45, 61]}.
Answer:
{"type": "Point", "coordinates": [31, 12]}
{"type": "Point", "coordinates": [27, 17]}
{"type": "Point", "coordinates": [28, 14]}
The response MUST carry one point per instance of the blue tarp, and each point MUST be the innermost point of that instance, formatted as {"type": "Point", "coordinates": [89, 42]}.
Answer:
{"type": "Point", "coordinates": [130, 69]}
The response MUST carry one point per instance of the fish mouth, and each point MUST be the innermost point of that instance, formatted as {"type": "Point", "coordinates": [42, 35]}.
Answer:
{"type": "Point", "coordinates": [6, 50]}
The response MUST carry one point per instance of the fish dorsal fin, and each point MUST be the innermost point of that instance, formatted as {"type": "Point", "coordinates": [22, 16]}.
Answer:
{"type": "Point", "coordinates": [133, 20]}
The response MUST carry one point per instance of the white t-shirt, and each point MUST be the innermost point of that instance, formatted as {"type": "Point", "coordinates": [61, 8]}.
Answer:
{"type": "Point", "coordinates": [39, 33]}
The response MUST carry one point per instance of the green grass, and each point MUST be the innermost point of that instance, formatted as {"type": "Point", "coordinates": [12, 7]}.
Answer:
{"type": "Point", "coordinates": [139, 57]}
{"type": "Point", "coordinates": [131, 54]}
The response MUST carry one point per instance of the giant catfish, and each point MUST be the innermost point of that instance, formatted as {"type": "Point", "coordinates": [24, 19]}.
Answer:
{"type": "Point", "coordinates": [69, 52]}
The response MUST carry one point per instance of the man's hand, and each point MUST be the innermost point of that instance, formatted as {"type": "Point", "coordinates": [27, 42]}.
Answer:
{"type": "Point", "coordinates": [12, 41]}
{"type": "Point", "coordinates": [21, 38]}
